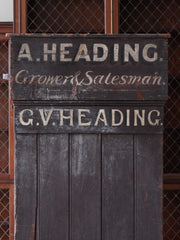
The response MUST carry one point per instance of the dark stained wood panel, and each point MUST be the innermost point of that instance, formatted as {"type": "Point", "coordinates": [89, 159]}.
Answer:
{"type": "Point", "coordinates": [89, 119]}
{"type": "Point", "coordinates": [148, 187]}
{"type": "Point", "coordinates": [89, 67]}
{"type": "Point", "coordinates": [85, 187]}
{"type": "Point", "coordinates": [117, 187]}
{"type": "Point", "coordinates": [92, 169]}
{"type": "Point", "coordinates": [53, 187]}
{"type": "Point", "coordinates": [26, 187]}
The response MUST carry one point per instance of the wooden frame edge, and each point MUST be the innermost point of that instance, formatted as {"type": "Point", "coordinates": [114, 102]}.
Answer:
{"type": "Point", "coordinates": [111, 12]}
{"type": "Point", "coordinates": [6, 27]}
{"type": "Point", "coordinates": [11, 155]}
{"type": "Point", "coordinates": [171, 187]}
{"type": "Point", "coordinates": [11, 139]}
{"type": "Point", "coordinates": [115, 16]}
{"type": "Point", "coordinates": [20, 21]}
{"type": "Point", "coordinates": [171, 178]}
{"type": "Point", "coordinates": [108, 16]}
{"type": "Point", "coordinates": [23, 16]}
{"type": "Point", "coordinates": [3, 37]}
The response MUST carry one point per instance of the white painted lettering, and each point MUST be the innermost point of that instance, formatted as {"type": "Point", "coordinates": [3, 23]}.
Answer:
{"type": "Point", "coordinates": [89, 78]}
{"type": "Point", "coordinates": [42, 79]}
{"type": "Point", "coordinates": [116, 52]}
{"type": "Point", "coordinates": [18, 77]}
{"type": "Point", "coordinates": [133, 79]}
{"type": "Point", "coordinates": [42, 114]}
{"type": "Point", "coordinates": [64, 52]}
{"type": "Point", "coordinates": [107, 78]}
{"type": "Point", "coordinates": [140, 117]}
{"type": "Point", "coordinates": [98, 79]}
{"type": "Point", "coordinates": [114, 79]}
{"type": "Point", "coordinates": [24, 52]}
{"type": "Point", "coordinates": [156, 121]}
{"type": "Point", "coordinates": [51, 52]}
{"type": "Point", "coordinates": [82, 53]}
{"type": "Point", "coordinates": [146, 50]}
{"type": "Point", "coordinates": [146, 80]}
{"type": "Point", "coordinates": [62, 117]}
{"type": "Point", "coordinates": [101, 117]}
{"type": "Point", "coordinates": [114, 123]}
{"type": "Point", "coordinates": [128, 117]}
{"type": "Point", "coordinates": [129, 51]}
{"type": "Point", "coordinates": [29, 121]}
{"type": "Point", "coordinates": [32, 78]}
{"type": "Point", "coordinates": [157, 80]}
{"type": "Point", "coordinates": [123, 80]}
{"type": "Point", "coordinates": [96, 57]}
{"type": "Point", "coordinates": [81, 114]}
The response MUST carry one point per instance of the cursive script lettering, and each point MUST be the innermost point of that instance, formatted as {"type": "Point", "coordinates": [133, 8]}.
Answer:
{"type": "Point", "coordinates": [87, 79]}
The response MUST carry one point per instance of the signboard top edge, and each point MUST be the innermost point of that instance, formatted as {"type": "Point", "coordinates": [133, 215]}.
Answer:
{"type": "Point", "coordinates": [121, 36]}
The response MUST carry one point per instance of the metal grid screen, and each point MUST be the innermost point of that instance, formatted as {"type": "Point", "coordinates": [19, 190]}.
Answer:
{"type": "Point", "coordinates": [65, 16]}
{"type": "Point", "coordinates": [172, 215]}
{"type": "Point", "coordinates": [4, 214]}
{"type": "Point", "coordinates": [161, 17]}
{"type": "Point", "coordinates": [4, 140]}
{"type": "Point", "coordinates": [3, 108]}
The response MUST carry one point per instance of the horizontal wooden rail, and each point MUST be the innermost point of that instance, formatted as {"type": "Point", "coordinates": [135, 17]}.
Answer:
{"type": "Point", "coordinates": [171, 187]}
{"type": "Point", "coordinates": [172, 178]}
{"type": "Point", "coordinates": [172, 181]}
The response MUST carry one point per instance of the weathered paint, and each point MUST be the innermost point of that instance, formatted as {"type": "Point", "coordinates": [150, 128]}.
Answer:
{"type": "Point", "coordinates": [88, 167]}
{"type": "Point", "coordinates": [100, 67]}
{"type": "Point", "coordinates": [86, 119]}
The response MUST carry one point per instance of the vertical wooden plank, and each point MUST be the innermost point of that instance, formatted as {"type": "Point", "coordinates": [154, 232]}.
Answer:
{"type": "Point", "coordinates": [11, 136]}
{"type": "Point", "coordinates": [53, 186]}
{"type": "Point", "coordinates": [117, 191]}
{"type": "Point", "coordinates": [23, 17]}
{"type": "Point", "coordinates": [20, 16]}
{"type": "Point", "coordinates": [16, 24]}
{"type": "Point", "coordinates": [115, 16]}
{"type": "Point", "coordinates": [108, 16]}
{"type": "Point", "coordinates": [148, 192]}
{"type": "Point", "coordinates": [85, 187]}
{"type": "Point", "coordinates": [25, 180]}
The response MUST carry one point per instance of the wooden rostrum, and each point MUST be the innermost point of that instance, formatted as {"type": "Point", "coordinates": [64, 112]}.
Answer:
{"type": "Point", "coordinates": [88, 132]}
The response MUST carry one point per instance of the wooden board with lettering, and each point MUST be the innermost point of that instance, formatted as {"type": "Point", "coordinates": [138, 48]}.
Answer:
{"type": "Point", "coordinates": [89, 67]}
{"type": "Point", "coordinates": [88, 119]}
{"type": "Point", "coordinates": [88, 124]}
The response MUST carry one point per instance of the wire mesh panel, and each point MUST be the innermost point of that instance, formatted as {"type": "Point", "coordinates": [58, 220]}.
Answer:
{"type": "Point", "coordinates": [172, 215]}
{"type": "Point", "coordinates": [4, 140]}
{"type": "Point", "coordinates": [4, 108]}
{"type": "Point", "coordinates": [172, 150]}
{"type": "Point", "coordinates": [3, 152]}
{"type": "Point", "coordinates": [3, 57]}
{"type": "Point", "coordinates": [161, 17]}
{"type": "Point", "coordinates": [4, 214]}
{"type": "Point", "coordinates": [65, 16]}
